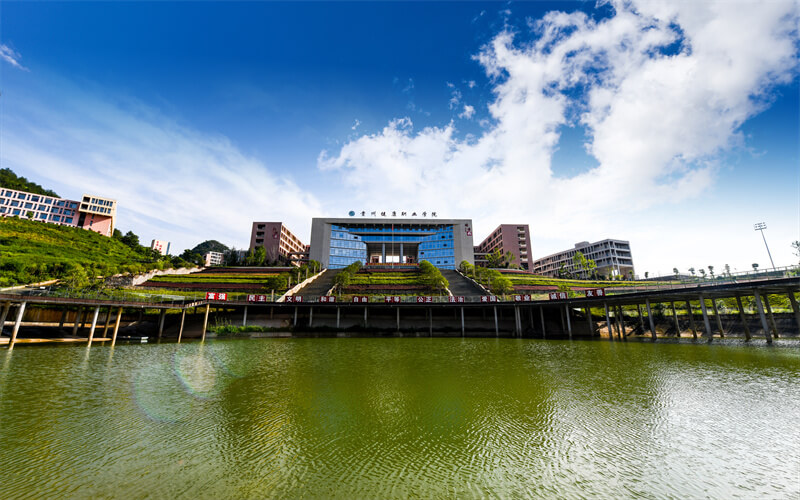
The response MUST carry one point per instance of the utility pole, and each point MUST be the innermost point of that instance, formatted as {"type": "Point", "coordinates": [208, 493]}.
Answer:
{"type": "Point", "coordinates": [760, 226]}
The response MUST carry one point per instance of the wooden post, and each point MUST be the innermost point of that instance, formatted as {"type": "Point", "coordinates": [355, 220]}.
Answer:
{"type": "Point", "coordinates": [608, 322]}
{"type": "Point", "coordinates": [77, 323]}
{"type": "Point", "coordinates": [116, 326]}
{"type": "Point", "coordinates": [294, 323]}
{"type": "Point", "coordinates": [541, 313]}
{"type": "Point", "coordinates": [692, 327]}
{"type": "Point", "coordinates": [108, 321]}
{"type": "Point", "coordinates": [795, 308]}
{"type": "Point", "coordinates": [496, 326]}
{"type": "Point", "coordinates": [398, 317]}
{"type": "Point", "coordinates": [563, 322]}
{"type": "Point", "coordinates": [180, 329]}
{"type": "Point", "coordinates": [60, 322]}
{"type": "Point", "coordinates": [462, 322]}
{"type": "Point", "coordinates": [430, 322]}
{"type": "Point", "coordinates": [530, 314]}
{"type": "Point", "coordinates": [742, 317]}
{"type": "Point", "coordinates": [706, 322]}
{"type": "Point", "coordinates": [569, 322]}
{"type": "Point", "coordinates": [770, 316]}
{"type": "Point", "coordinates": [517, 326]}
{"type": "Point", "coordinates": [365, 317]}
{"type": "Point", "coordinates": [205, 322]}
{"type": "Point", "coordinates": [675, 318]}
{"type": "Point", "coordinates": [4, 314]}
{"type": "Point", "coordinates": [650, 319]}
{"type": "Point", "coordinates": [94, 324]}
{"type": "Point", "coordinates": [641, 317]}
{"type": "Point", "coordinates": [161, 318]}
{"type": "Point", "coordinates": [311, 316]}
{"type": "Point", "coordinates": [621, 323]}
{"type": "Point", "coordinates": [244, 317]}
{"type": "Point", "coordinates": [767, 334]}
{"type": "Point", "coordinates": [17, 322]}
{"type": "Point", "coordinates": [337, 317]}
{"type": "Point", "coordinates": [719, 320]}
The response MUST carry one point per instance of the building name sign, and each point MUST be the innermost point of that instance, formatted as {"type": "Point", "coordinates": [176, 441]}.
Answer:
{"type": "Point", "coordinates": [393, 213]}
{"type": "Point", "coordinates": [216, 296]}
{"type": "Point", "coordinates": [596, 292]}
{"type": "Point", "coordinates": [293, 299]}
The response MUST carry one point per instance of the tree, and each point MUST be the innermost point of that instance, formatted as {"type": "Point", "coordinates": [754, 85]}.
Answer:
{"type": "Point", "coordinates": [703, 273]}
{"type": "Point", "coordinates": [727, 270]}
{"type": "Point", "coordinates": [579, 261]}
{"type": "Point", "coordinates": [466, 268]}
{"type": "Point", "coordinates": [646, 274]}
{"type": "Point", "coordinates": [591, 266]}
{"type": "Point", "coordinates": [711, 271]}
{"type": "Point", "coordinates": [675, 272]}
{"type": "Point", "coordinates": [131, 240]}
{"type": "Point", "coordinates": [691, 270]}
{"type": "Point", "coordinates": [796, 248]}
{"type": "Point", "coordinates": [502, 285]}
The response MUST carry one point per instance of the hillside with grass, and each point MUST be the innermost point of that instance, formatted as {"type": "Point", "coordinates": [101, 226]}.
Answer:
{"type": "Point", "coordinates": [33, 251]}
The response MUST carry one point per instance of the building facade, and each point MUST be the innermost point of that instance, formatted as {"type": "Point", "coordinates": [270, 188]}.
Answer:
{"type": "Point", "coordinates": [336, 242]}
{"type": "Point", "coordinates": [93, 213]}
{"type": "Point", "coordinates": [213, 258]}
{"type": "Point", "coordinates": [160, 246]}
{"type": "Point", "coordinates": [514, 238]}
{"type": "Point", "coordinates": [612, 257]}
{"type": "Point", "coordinates": [280, 244]}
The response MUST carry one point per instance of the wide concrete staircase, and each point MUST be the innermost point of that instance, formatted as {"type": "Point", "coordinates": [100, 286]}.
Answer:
{"type": "Point", "coordinates": [460, 285]}
{"type": "Point", "coordinates": [319, 286]}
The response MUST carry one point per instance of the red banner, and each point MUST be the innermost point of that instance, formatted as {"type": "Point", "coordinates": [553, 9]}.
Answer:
{"type": "Point", "coordinates": [393, 299]}
{"type": "Point", "coordinates": [558, 295]}
{"type": "Point", "coordinates": [360, 299]}
{"type": "Point", "coordinates": [522, 298]}
{"type": "Point", "coordinates": [216, 296]}
{"type": "Point", "coordinates": [294, 299]}
{"type": "Point", "coordinates": [453, 299]}
{"type": "Point", "coordinates": [489, 298]}
{"type": "Point", "coordinates": [327, 298]}
{"type": "Point", "coordinates": [256, 298]}
{"type": "Point", "coordinates": [424, 300]}
{"type": "Point", "coordinates": [596, 292]}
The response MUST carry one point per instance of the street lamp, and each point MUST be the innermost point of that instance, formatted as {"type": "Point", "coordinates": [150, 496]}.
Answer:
{"type": "Point", "coordinates": [760, 226]}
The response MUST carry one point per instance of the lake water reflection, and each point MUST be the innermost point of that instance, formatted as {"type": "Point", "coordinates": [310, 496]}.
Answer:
{"type": "Point", "coordinates": [397, 418]}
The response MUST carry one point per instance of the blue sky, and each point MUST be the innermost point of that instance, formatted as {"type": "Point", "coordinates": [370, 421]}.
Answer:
{"type": "Point", "coordinates": [602, 121]}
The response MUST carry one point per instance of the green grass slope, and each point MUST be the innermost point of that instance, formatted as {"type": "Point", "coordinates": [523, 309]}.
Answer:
{"type": "Point", "coordinates": [35, 251]}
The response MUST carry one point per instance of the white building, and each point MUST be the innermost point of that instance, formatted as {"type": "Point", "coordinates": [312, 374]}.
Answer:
{"type": "Point", "coordinates": [160, 246]}
{"type": "Point", "coordinates": [213, 258]}
{"type": "Point", "coordinates": [613, 258]}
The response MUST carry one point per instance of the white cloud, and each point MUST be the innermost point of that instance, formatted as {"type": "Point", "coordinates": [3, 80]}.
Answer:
{"type": "Point", "coordinates": [171, 182]}
{"type": "Point", "coordinates": [656, 116]}
{"type": "Point", "coordinates": [355, 125]}
{"type": "Point", "coordinates": [468, 112]}
{"type": "Point", "coordinates": [11, 56]}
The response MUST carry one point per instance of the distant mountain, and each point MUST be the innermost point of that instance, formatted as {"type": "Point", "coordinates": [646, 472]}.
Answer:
{"type": "Point", "coordinates": [209, 246]}
{"type": "Point", "coordinates": [10, 180]}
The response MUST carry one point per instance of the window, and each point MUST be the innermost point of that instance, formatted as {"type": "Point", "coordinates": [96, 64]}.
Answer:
{"type": "Point", "coordinates": [15, 211]}
{"type": "Point", "coordinates": [21, 196]}
{"type": "Point", "coordinates": [14, 203]}
{"type": "Point", "coordinates": [68, 220]}
{"type": "Point", "coordinates": [29, 205]}
{"type": "Point", "coordinates": [42, 216]}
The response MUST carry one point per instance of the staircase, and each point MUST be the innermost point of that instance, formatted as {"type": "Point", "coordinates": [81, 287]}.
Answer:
{"type": "Point", "coordinates": [319, 286]}
{"type": "Point", "coordinates": [459, 285]}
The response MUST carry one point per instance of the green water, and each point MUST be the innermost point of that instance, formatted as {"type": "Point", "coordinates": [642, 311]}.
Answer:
{"type": "Point", "coordinates": [399, 418]}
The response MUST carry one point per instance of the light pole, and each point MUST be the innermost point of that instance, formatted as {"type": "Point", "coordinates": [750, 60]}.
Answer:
{"type": "Point", "coordinates": [760, 226]}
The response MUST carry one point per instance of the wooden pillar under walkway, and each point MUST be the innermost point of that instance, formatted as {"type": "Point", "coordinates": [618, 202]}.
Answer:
{"type": "Point", "coordinates": [337, 317]}
{"type": "Point", "coordinates": [116, 326]}
{"type": "Point", "coordinates": [608, 322]}
{"type": "Point", "coordinates": [541, 314]}
{"type": "Point", "coordinates": [294, 323]}
{"type": "Point", "coordinates": [675, 319]}
{"type": "Point", "coordinates": [517, 323]}
{"type": "Point", "coordinates": [430, 322]}
{"type": "Point", "coordinates": [462, 321]}
{"type": "Point", "coordinates": [569, 322]}
{"type": "Point", "coordinates": [530, 313]}
{"type": "Point", "coordinates": [650, 319]}
{"type": "Point", "coordinates": [706, 322]}
{"type": "Point", "coordinates": [620, 322]}
{"type": "Point", "coordinates": [771, 317]}
{"type": "Point", "coordinates": [161, 319]}
{"type": "Point", "coordinates": [742, 317]}
{"type": "Point", "coordinates": [365, 317]}
{"type": "Point", "coordinates": [719, 320]}
{"type": "Point", "coordinates": [311, 316]}
{"type": "Point", "coordinates": [94, 324]}
{"type": "Point", "coordinates": [496, 326]}
{"type": "Point", "coordinates": [180, 329]}
{"type": "Point", "coordinates": [108, 321]}
{"type": "Point", "coordinates": [4, 314]}
{"type": "Point", "coordinates": [17, 323]}
{"type": "Point", "coordinates": [795, 308]}
{"type": "Point", "coordinates": [244, 317]}
{"type": "Point", "coordinates": [60, 322]}
{"type": "Point", "coordinates": [692, 326]}
{"type": "Point", "coordinates": [641, 317]}
{"type": "Point", "coordinates": [77, 322]}
{"type": "Point", "coordinates": [205, 322]}
{"type": "Point", "coordinates": [397, 310]}
{"type": "Point", "coordinates": [589, 321]}
{"type": "Point", "coordinates": [767, 334]}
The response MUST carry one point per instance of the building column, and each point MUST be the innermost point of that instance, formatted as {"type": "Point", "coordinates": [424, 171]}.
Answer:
{"type": "Point", "coordinates": [675, 319]}
{"type": "Point", "coordinates": [569, 322]}
{"type": "Point", "coordinates": [692, 326]}
{"type": "Point", "coordinates": [771, 317]}
{"type": "Point", "coordinates": [17, 323]}
{"type": "Point", "coordinates": [311, 316]}
{"type": "Point", "coordinates": [4, 314]}
{"type": "Point", "coordinates": [767, 334]}
{"type": "Point", "coordinates": [205, 322]}
{"type": "Point", "coordinates": [496, 326]}
{"type": "Point", "coordinates": [706, 322]}
{"type": "Point", "coordinates": [589, 321]}
{"type": "Point", "coordinates": [244, 317]}
{"type": "Point", "coordinates": [462, 322]}
{"type": "Point", "coordinates": [161, 318]}
{"type": "Point", "coordinates": [650, 319]}
{"type": "Point", "coordinates": [608, 322]}
{"type": "Point", "coordinates": [541, 314]}
{"type": "Point", "coordinates": [742, 317]}
{"type": "Point", "coordinates": [795, 308]}
{"type": "Point", "coordinates": [116, 326]}
{"type": "Point", "coordinates": [719, 320]}
{"type": "Point", "coordinates": [94, 324]}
